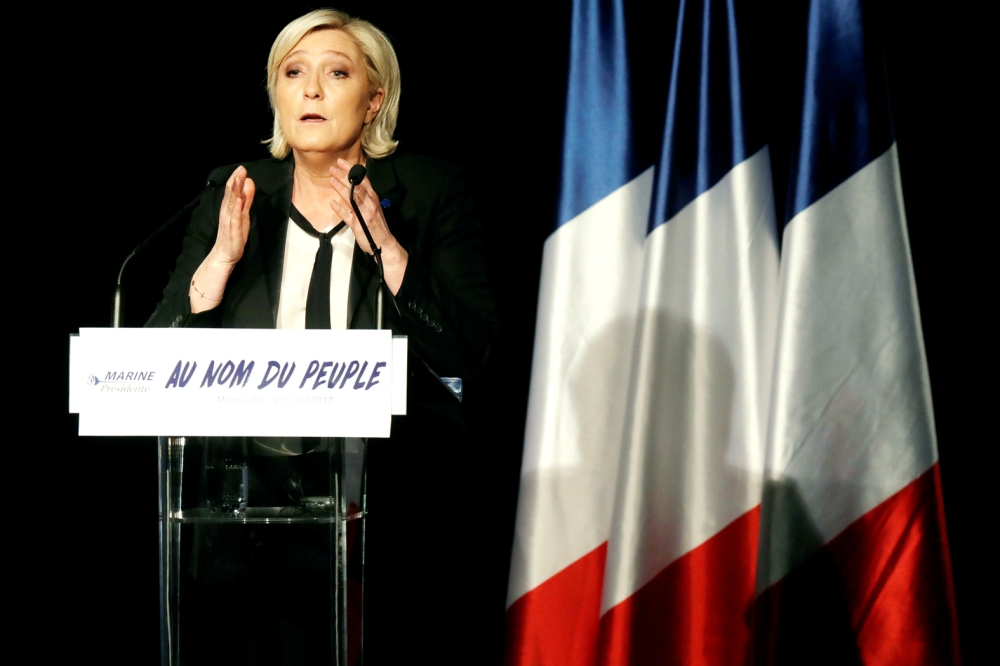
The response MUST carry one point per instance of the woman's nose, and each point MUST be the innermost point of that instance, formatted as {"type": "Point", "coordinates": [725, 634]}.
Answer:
{"type": "Point", "coordinates": [314, 86]}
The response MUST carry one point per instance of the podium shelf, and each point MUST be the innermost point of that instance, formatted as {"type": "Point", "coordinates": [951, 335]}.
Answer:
{"type": "Point", "coordinates": [262, 515]}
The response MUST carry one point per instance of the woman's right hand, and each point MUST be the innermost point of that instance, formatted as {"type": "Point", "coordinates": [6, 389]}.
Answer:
{"type": "Point", "coordinates": [234, 217]}
{"type": "Point", "coordinates": [208, 283]}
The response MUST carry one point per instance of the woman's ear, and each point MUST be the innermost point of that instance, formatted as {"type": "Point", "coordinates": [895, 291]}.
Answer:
{"type": "Point", "coordinates": [374, 104]}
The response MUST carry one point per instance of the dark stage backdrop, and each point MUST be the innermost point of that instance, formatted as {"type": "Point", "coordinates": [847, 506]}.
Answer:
{"type": "Point", "coordinates": [142, 107]}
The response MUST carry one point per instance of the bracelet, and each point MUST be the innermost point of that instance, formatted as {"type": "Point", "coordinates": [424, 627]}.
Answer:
{"type": "Point", "coordinates": [202, 294]}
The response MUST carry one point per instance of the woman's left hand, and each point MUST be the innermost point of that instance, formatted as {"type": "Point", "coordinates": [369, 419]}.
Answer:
{"type": "Point", "coordinates": [394, 256]}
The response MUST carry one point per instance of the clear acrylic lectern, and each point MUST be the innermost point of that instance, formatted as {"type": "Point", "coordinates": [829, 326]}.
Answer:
{"type": "Point", "coordinates": [261, 550]}
{"type": "Point", "coordinates": [262, 538]}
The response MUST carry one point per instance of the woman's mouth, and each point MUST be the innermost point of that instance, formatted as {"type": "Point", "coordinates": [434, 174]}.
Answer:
{"type": "Point", "coordinates": [312, 118]}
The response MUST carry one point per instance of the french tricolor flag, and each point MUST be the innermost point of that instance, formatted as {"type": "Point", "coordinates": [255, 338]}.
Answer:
{"type": "Point", "coordinates": [854, 565]}
{"type": "Point", "coordinates": [682, 556]}
{"type": "Point", "coordinates": [588, 300]}
{"type": "Point", "coordinates": [729, 455]}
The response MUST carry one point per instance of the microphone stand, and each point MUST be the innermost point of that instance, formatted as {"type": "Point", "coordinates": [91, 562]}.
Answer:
{"type": "Point", "coordinates": [354, 178]}
{"type": "Point", "coordinates": [377, 251]}
{"type": "Point", "coordinates": [117, 314]}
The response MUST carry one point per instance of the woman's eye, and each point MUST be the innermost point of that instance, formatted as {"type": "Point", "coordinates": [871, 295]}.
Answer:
{"type": "Point", "coordinates": [292, 72]}
{"type": "Point", "coordinates": [339, 74]}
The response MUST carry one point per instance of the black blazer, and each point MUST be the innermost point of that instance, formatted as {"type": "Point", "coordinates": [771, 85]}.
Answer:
{"type": "Point", "coordinates": [446, 306]}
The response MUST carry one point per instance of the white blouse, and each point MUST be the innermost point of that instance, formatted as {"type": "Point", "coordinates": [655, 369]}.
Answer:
{"type": "Point", "coordinates": [300, 254]}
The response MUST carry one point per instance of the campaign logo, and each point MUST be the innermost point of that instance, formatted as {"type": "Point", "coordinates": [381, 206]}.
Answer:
{"type": "Point", "coordinates": [123, 381]}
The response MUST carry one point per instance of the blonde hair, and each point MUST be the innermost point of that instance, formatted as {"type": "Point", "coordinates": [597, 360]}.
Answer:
{"type": "Point", "coordinates": [381, 67]}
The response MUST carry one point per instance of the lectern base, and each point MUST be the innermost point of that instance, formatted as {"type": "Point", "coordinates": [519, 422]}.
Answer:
{"type": "Point", "coordinates": [260, 584]}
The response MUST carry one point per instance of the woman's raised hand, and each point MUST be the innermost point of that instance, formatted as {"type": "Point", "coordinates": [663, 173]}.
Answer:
{"type": "Point", "coordinates": [394, 256]}
{"type": "Point", "coordinates": [208, 283]}
{"type": "Point", "coordinates": [234, 217]}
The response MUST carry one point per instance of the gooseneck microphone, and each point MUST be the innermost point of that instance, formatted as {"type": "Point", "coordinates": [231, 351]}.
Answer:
{"type": "Point", "coordinates": [354, 177]}
{"type": "Point", "coordinates": [215, 179]}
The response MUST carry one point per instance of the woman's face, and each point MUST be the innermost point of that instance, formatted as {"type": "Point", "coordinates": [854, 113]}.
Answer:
{"type": "Point", "coordinates": [322, 94]}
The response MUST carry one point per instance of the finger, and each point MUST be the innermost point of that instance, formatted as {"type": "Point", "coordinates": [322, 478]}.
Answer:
{"type": "Point", "coordinates": [236, 201]}
{"type": "Point", "coordinates": [249, 190]}
{"type": "Point", "coordinates": [231, 180]}
{"type": "Point", "coordinates": [340, 171]}
{"type": "Point", "coordinates": [372, 200]}
{"type": "Point", "coordinates": [366, 187]}
{"type": "Point", "coordinates": [249, 187]}
{"type": "Point", "coordinates": [228, 196]}
{"type": "Point", "coordinates": [239, 211]}
{"type": "Point", "coordinates": [233, 189]}
{"type": "Point", "coordinates": [344, 166]}
{"type": "Point", "coordinates": [341, 187]}
{"type": "Point", "coordinates": [342, 206]}
{"type": "Point", "coordinates": [239, 177]}
{"type": "Point", "coordinates": [374, 205]}
{"type": "Point", "coordinates": [367, 201]}
{"type": "Point", "coordinates": [336, 172]}
{"type": "Point", "coordinates": [342, 212]}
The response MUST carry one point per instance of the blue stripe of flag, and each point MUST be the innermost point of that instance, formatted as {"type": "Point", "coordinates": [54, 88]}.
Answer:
{"type": "Point", "coordinates": [843, 120]}
{"type": "Point", "coordinates": [597, 156]}
{"type": "Point", "coordinates": [707, 129]}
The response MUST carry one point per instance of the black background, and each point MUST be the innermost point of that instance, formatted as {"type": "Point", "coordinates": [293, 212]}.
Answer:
{"type": "Point", "coordinates": [134, 110]}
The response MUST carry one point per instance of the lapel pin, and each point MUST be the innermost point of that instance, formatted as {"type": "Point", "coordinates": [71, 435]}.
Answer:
{"type": "Point", "coordinates": [385, 203]}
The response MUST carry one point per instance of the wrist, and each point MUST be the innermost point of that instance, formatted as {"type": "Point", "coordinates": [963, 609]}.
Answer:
{"type": "Point", "coordinates": [394, 256]}
{"type": "Point", "coordinates": [394, 260]}
{"type": "Point", "coordinates": [203, 295]}
{"type": "Point", "coordinates": [217, 263]}
{"type": "Point", "coordinates": [208, 284]}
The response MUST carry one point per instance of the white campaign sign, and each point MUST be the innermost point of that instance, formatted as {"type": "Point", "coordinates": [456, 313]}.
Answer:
{"type": "Point", "coordinates": [236, 382]}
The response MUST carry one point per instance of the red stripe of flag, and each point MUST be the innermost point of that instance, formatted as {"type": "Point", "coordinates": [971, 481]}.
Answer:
{"type": "Point", "coordinates": [695, 612]}
{"type": "Point", "coordinates": [555, 624]}
{"type": "Point", "coordinates": [880, 593]}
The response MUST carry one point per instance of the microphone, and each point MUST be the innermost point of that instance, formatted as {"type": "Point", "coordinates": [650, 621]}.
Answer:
{"type": "Point", "coordinates": [215, 179]}
{"type": "Point", "coordinates": [356, 174]}
{"type": "Point", "coordinates": [354, 177]}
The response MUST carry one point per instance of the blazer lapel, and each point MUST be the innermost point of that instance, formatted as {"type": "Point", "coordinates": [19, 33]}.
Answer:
{"type": "Point", "coordinates": [363, 278]}
{"type": "Point", "coordinates": [273, 227]}
{"type": "Point", "coordinates": [271, 205]}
